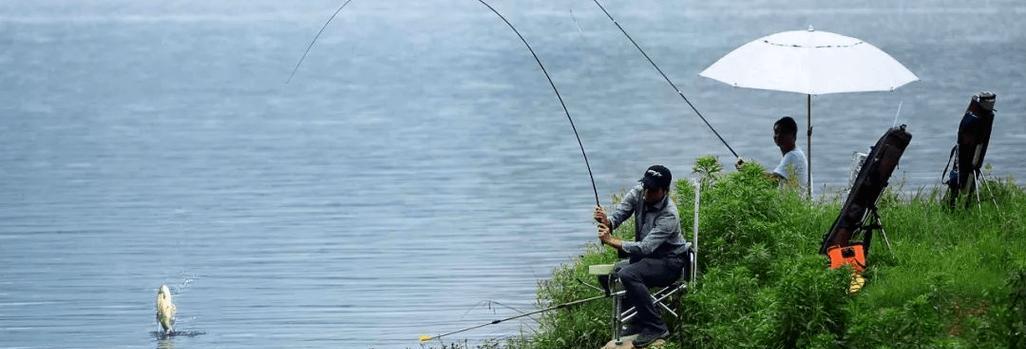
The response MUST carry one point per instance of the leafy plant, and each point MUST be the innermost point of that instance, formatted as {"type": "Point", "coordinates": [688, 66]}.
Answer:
{"type": "Point", "coordinates": [943, 283]}
{"type": "Point", "coordinates": [707, 168]}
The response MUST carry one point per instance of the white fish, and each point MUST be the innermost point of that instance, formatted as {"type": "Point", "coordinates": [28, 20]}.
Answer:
{"type": "Point", "coordinates": [165, 309]}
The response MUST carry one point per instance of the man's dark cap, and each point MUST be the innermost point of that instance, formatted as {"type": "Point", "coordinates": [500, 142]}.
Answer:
{"type": "Point", "coordinates": [657, 177]}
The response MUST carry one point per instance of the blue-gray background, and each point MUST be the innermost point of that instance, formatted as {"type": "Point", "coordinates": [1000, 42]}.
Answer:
{"type": "Point", "coordinates": [417, 165]}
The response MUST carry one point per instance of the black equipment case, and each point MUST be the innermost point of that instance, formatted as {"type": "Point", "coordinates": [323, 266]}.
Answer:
{"type": "Point", "coordinates": [858, 215]}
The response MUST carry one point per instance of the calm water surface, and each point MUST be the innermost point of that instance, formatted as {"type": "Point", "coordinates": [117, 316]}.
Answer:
{"type": "Point", "coordinates": [416, 166]}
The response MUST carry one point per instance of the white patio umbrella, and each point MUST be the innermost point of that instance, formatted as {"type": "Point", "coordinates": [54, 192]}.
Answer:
{"type": "Point", "coordinates": [812, 63]}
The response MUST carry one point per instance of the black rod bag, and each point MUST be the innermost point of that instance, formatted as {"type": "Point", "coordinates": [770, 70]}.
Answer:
{"type": "Point", "coordinates": [971, 147]}
{"type": "Point", "coordinates": [869, 184]}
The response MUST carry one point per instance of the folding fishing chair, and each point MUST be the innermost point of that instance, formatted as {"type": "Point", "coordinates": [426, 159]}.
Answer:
{"type": "Point", "coordinates": [662, 298]}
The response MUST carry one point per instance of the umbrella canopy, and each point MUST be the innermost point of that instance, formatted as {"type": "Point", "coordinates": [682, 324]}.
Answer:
{"type": "Point", "coordinates": [812, 63]}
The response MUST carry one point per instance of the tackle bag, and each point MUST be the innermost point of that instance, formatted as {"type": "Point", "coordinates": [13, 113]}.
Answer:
{"type": "Point", "coordinates": [854, 219]}
{"type": "Point", "coordinates": [970, 148]}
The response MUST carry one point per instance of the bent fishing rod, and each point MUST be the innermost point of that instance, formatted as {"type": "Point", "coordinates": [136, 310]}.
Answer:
{"type": "Point", "coordinates": [319, 32]}
{"type": "Point", "coordinates": [493, 322]}
{"type": "Point", "coordinates": [529, 48]}
{"type": "Point", "coordinates": [675, 88]}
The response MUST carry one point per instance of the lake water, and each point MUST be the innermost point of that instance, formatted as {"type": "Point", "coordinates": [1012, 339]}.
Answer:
{"type": "Point", "coordinates": [417, 165]}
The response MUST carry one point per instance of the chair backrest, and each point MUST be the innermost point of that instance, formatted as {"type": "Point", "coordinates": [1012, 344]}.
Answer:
{"type": "Point", "coordinates": [688, 274]}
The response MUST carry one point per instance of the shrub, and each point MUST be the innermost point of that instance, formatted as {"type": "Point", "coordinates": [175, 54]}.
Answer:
{"type": "Point", "coordinates": [944, 284]}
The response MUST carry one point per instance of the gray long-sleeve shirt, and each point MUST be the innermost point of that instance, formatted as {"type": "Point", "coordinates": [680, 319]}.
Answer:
{"type": "Point", "coordinates": [656, 227]}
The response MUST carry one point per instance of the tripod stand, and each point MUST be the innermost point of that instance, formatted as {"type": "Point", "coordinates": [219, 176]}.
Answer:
{"type": "Point", "coordinates": [977, 178]}
{"type": "Point", "coordinates": [874, 223]}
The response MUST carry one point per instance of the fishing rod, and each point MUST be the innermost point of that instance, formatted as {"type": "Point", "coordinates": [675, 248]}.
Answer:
{"type": "Point", "coordinates": [897, 113]}
{"type": "Point", "coordinates": [558, 96]}
{"type": "Point", "coordinates": [308, 47]}
{"type": "Point", "coordinates": [666, 78]}
{"type": "Point", "coordinates": [529, 48]}
{"type": "Point", "coordinates": [493, 322]}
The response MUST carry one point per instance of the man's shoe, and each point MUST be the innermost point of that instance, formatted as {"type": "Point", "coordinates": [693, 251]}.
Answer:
{"type": "Point", "coordinates": [646, 338]}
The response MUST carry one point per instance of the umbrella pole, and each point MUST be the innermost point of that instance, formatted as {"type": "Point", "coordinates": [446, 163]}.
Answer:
{"type": "Point", "coordinates": [808, 111]}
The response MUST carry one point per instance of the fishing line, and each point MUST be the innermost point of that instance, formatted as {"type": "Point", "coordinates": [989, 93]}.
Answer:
{"type": "Point", "coordinates": [666, 78]}
{"type": "Point", "coordinates": [529, 48]}
{"type": "Point", "coordinates": [580, 31]}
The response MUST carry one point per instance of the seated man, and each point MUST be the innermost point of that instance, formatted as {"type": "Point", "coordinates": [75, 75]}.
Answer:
{"type": "Point", "coordinates": [658, 255]}
{"type": "Point", "coordinates": [793, 167]}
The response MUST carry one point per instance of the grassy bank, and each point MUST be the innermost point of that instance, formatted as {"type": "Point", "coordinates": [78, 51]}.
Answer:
{"type": "Point", "coordinates": [954, 279]}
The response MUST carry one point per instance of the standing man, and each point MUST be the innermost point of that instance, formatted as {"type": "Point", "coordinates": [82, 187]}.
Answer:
{"type": "Point", "coordinates": [658, 254]}
{"type": "Point", "coordinates": [793, 167]}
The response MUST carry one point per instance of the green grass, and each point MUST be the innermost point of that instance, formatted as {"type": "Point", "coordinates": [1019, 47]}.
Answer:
{"type": "Point", "coordinates": [955, 278]}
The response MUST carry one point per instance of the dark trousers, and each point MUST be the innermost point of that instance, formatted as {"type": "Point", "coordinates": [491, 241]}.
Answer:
{"type": "Point", "coordinates": [637, 277]}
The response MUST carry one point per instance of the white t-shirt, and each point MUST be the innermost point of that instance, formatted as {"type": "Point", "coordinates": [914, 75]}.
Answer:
{"type": "Point", "coordinates": [794, 159]}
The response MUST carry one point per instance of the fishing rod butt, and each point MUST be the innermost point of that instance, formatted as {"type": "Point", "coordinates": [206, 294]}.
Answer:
{"type": "Point", "coordinates": [425, 338]}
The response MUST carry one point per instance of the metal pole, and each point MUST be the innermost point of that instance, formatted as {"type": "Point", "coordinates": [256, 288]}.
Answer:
{"type": "Point", "coordinates": [694, 244]}
{"type": "Point", "coordinates": [808, 105]}
{"type": "Point", "coordinates": [614, 281]}
{"type": "Point", "coordinates": [985, 181]}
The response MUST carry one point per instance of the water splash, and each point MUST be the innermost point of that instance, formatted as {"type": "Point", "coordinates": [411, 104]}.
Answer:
{"type": "Point", "coordinates": [186, 282]}
{"type": "Point", "coordinates": [184, 333]}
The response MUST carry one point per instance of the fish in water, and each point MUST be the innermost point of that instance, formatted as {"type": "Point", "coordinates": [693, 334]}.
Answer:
{"type": "Point", "coordinates": [165, 309]}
